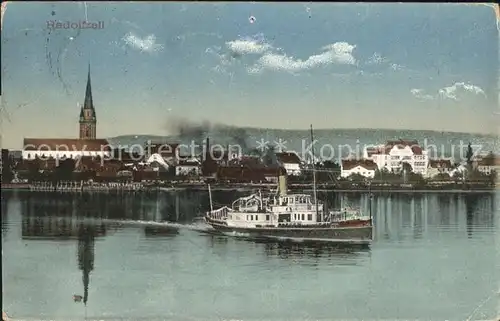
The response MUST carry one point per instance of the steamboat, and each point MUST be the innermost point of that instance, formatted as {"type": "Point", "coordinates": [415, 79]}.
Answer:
{"type": "Point", "coordinates": [290, 216]}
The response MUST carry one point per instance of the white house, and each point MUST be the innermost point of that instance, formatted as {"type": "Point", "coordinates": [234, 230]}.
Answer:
{"type": "Point", "coordinates": [439, 166]}
{"type": "Point", "coordinates": [461, 169]}
{"type": "Point", "coordinates": [393, 154]}
{"type": "Point", "coordinates": [157, 158]}
{"type": "Point", "coordinates": [61, 148]}
{"type": "Point", "coordinates": [291, 162]}
{"type": "Point", "coordinates": [364, 167]}
{"type": "Point", "coordinates": [188, 167]}
{"type": "Point", "coordinates": [168, 151]}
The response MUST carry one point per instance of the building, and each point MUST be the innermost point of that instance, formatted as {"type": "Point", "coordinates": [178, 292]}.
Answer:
{"type": "Point", "coordinates": [248, 169]}
{"type": "Point", "coordinates": [393, 154]}
{"type": "Point", "coordinates": [459, 171]}
{"type": "Point", "coordinates": [487, 164]}
{"type": "Point", "coordinates": [439, 166]}
{"type": "Point", "coordinates": [363, 167]}
{"type": "Point", "coordinates": [214, 158]}
{"type": "Point", "coordinates": [88, 117]}
{"type": "Point", "coordinates": [169, 152]}
{"type": "Point", "coordinates": [291, 162]}
{"type": "Point", "coordinates": [188, 167]}
{"type": "Point", "coordinates": [60, 148]}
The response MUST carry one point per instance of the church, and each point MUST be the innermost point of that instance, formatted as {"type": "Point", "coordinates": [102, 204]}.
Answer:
{"type": "Point", "coordinates": [61, 148]}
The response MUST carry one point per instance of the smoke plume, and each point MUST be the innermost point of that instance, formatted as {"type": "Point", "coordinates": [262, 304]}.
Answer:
{"type": "Point", "coordinates": [239, 136]}
{"type": "Point", "coordinates": [188, 130]}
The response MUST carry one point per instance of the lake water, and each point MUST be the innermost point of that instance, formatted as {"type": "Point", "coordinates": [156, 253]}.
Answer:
{"type": "Point", "coordinates": [434, 257]}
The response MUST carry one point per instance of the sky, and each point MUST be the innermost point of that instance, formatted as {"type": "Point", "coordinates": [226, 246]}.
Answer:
{"type": "Point", "coordinates": [273, 65]}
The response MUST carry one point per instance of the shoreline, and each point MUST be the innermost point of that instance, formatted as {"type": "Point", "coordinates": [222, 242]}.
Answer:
{"type": "Point", "coordinates": [302, 188]}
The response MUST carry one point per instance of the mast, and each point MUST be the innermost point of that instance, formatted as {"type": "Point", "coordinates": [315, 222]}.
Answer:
{"type": "Point", "coordinates": [210, 197]}
{"type": "Point", "coordinates": [260, 199]}
{"type": "Point", "coordinates": [314, 174]}
{"type": "Point", "coordinates": [370, 195]}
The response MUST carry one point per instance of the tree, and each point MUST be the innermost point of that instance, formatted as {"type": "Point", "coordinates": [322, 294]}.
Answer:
{"type": "Point", "coordinates": [493, 177]}
{"type": "Point", "coordinates": [7, 173]}
{"type": "Point", "coordinates": [442, 177]}
{"type": "Point", "coordinates": [64, 172]}
{"type": "Point", "coordinates": [417, 179]}
{"type": "Point", "coordinates": [33, 167]}
{"type": "Point", "coordinates": [357, 177]}
{"type": "Point", "coordinates": [406, 167]}
{"type": "Point", "coordinates": [383, 175]}
{"type": "Point", "coordinates": [468, 156]}
{"type": "Point", "coordinates": [269, 158]}
{"type": "Point", "coordinates": [330, 165]}
{"type": "Point", "coordinates": [458, 175]}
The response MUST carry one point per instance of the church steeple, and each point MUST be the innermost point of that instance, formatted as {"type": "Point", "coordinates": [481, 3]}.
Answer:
{"type": "Point", "coordinates": [88, 118]}
{"type": "Point", "coordinates": [88, 104]}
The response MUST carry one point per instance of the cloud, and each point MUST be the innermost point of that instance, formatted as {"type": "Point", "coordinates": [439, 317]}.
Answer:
{"type": "Point", "coordinates": [146, 44]}
{"type": "Point", "coordinates": [248, 46]}
{"type": "Point", "coordinates": [397, 67]}
{"type": "Point", "coordinates": [452, 92]}
{"type": "Point", "coordinates": [235, 52]}
{"type": "Point", "coordinates": [376, 59]}
{"type": "Point", "coordinates": [257, 54]}
{"type": "Point", "coordinates": [336, 53]}
{"type": "Point", "coordinates": [420, 94]}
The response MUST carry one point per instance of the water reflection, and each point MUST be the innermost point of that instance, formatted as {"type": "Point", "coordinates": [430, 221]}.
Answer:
{"type": "Point", "coordinates": [401, 217]}
{"type": "Point", "coordinates": [5, 201]}
{"type": "Point", "coordinates": [157, 207]}
{"type": "Point", "coordinates": [86, 249]}
{"type": "Point", "coordinates": [471, 203]}
{"type": "Point", "coordinates": [160, 231]}
{"type": "Point", "coordinates": [397, 217]}
{"type": "Point", "coordinates": [345, 253]}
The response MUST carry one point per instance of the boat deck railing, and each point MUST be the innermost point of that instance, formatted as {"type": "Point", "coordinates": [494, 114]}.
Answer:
{"type": "Point", "coordinates": [219, 214]}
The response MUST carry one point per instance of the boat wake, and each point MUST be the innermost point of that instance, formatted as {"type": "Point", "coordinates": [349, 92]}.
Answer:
{"type": "Point", "coordinates": [236, 234]}
{"type": "Point", "coordinates": [197, 226]}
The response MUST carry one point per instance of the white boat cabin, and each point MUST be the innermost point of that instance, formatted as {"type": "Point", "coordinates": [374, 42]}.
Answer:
{"type": "Point", "coordinates": [255, 211]}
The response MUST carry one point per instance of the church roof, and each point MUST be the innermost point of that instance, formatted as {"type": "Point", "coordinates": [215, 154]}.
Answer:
{"type": "Point", "coordinates": [66, 144]}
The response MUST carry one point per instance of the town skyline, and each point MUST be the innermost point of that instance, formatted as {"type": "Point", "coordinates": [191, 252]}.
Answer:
{"type": "Point", "coordinates": [203, 60]}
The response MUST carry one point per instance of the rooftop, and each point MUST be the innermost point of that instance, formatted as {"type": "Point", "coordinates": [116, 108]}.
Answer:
{"type": "Point", "coordinates": [348, 164]}
{"type": "Point", "coordinates": [66, 144]}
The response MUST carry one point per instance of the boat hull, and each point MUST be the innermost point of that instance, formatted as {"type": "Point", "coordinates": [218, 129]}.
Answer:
{"type": "Point", "coordinates": [353, 234]}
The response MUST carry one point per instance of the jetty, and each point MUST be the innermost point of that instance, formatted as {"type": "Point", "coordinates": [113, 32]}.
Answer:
{"type": "Point", "coordinates": [82, 186]}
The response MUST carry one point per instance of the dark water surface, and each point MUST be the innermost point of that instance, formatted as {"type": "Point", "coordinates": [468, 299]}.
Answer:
{"type": "Point", "coordinates": [435, 257]}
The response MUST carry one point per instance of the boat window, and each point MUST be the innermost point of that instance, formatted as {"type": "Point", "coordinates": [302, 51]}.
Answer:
{"type": "Point", "coordinates": [256, 217]}
{"type": "Point", "coordinates": [309, 217]}
{"type": "Point", "coordinates": [248, 218]}
{"type": "Point", "coordinates": [303, 217]}
{"type": "Point", "coordinates": [267, 217]}
{"type": "Point", "coordinates": [284, 218]}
